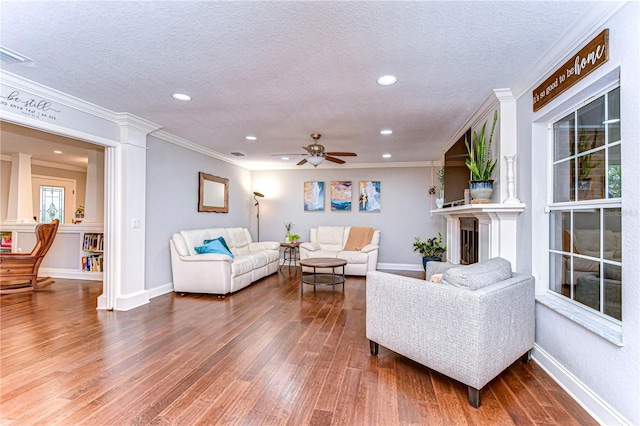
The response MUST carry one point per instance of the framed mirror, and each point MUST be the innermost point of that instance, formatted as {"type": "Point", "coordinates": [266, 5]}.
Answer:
{"type": "Point", "coordinates": [214, 194]}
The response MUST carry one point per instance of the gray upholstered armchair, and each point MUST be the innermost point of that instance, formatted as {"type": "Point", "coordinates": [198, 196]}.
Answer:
{"type": "Point", "coordinates": [470, 326]}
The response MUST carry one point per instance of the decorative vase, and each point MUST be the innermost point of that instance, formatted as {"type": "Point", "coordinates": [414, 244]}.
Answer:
{"type": "Point", "coordinates": [429, 259]}
{"type": "Point", "coordinates": [481, 191]}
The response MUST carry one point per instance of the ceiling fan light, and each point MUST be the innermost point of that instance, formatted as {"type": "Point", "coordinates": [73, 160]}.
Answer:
{"type": "Point", "coordinates": [315, 160]}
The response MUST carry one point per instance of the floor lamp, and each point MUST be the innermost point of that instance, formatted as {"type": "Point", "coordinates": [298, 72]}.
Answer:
{"type": "Point", "coordinates": [257, 194]}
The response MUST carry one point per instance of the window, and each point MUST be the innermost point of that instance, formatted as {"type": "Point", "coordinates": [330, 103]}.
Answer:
{"type": "Point", "coordinates": [51, 203]}
{"type": "Point", "coordinates": [585, 249]}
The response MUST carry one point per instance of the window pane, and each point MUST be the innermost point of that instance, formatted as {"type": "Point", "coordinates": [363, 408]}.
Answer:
{"type": "Point", "coordinates": [613, 234]}
{"type": "Point", "coordinates": [613, 297]}
{"type": "Point", "coordinates": [563, 133]}
{"type": "Point", "coordinates": [591, 175]}
{"type": "Point", "coordinates": [613, 118]}
{"type": "Point", "coordinates": [586, 235]}
{"type": "Point", "coordinates": [590, 125]}
{"type": "Point", "coordinates": [51, 203]}
{"type": "Point", "coordinates": [563, 188]}
{"type": "Point", "coordinates": [557, 271]}
{"type": "Point", "coordinates": [560, 231]}
{"type": "Point", "coordinates": [614, 173]}
{"type": "Point", "coordinates": [587, 290]}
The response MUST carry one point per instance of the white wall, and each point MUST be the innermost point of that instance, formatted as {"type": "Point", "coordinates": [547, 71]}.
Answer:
{"type": "Point", "coordinates": [172, 201]}
{"type": "Point", "coordinates": [591, 366]}
{"type": "Point", "coordinates": [404, 214]}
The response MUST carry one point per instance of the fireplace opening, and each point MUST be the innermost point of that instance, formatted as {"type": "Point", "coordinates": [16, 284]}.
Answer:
{"type": "Point", "coordinates": [468, 240]}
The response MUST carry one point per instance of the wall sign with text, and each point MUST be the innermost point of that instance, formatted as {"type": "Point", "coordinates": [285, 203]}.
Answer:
{"type": "Point", "coordinates": [590, 57]}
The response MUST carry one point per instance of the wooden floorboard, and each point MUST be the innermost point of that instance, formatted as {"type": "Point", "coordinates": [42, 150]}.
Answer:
{"type": "Point", "coordinates": [266, 355]}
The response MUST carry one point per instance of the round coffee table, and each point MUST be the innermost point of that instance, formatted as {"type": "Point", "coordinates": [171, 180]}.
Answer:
{"type": "Point", "coordinates": [322, 278]}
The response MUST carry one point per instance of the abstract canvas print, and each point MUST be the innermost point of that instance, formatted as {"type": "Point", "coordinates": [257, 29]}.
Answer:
{"type": "Point", "coordinates": [341, 196]}
{"type": "Point", "coordinates": [313, 196]}
{"type": "Point", "coordinates": [369, 198]}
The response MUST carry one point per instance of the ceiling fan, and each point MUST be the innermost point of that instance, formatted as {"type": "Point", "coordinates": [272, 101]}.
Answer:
{"type": "Point", "coordinates": [316, 154]}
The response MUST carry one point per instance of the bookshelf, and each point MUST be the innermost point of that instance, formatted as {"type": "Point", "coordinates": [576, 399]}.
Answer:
{"type": "Point", "coordinates": [92, 248]}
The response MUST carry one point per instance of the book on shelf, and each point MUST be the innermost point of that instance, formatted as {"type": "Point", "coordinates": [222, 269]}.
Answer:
{"type": "Point", "coordinates": [92, 263]}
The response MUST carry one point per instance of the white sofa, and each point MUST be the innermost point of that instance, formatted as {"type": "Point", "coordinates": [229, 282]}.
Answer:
{"type": "Point", "coordinates": [218, 273]}
{"type": "Point", "coordinates": [329, 241]}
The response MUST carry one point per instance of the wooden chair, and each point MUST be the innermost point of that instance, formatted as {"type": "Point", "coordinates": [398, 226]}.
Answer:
{"type": "Point", "coordinates": [19, 271]}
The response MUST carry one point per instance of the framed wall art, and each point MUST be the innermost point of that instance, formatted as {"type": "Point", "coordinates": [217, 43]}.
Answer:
{"type": "Point", "coordinates": [313, 196]}
{"type": "Point", "coordinates": [341, 196]}
{"type": "Point", "coordinates": [369, 196]}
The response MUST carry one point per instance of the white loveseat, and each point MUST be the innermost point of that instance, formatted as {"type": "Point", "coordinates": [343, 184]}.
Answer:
{"type": "Point", "coordinates": [329, 241]}
{"type": "Point", "coordinates": [218, 273]}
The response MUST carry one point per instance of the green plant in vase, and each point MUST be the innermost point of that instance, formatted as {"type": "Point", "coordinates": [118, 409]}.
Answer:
{"type": "Point", "coordinates": [294, 238]}
{"type": "Point", "coordinates": [481, 165]}
{"type": "Point", "coordinates": [431, 249]}
{"type": "Point", "coordinates": [288, 226]}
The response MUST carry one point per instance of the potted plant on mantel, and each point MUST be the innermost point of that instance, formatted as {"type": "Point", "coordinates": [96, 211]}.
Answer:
{"type": "Point", "coordinates": [431, 250]}
{"type": "Point", "coordinates": [481, 165]}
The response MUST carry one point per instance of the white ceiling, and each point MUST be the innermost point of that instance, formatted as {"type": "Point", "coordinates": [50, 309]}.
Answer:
{"type": "Point", "coordinates": [283, 70]}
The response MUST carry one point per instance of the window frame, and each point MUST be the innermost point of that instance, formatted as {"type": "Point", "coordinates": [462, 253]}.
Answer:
{"type": "Point", "coordinates": [578, 205]}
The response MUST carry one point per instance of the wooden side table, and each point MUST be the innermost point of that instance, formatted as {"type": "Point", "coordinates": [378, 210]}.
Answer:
{"type": "Point", "coordinates": [291, 254]}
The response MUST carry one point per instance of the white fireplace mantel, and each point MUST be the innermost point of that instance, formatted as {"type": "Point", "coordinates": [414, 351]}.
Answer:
{"type": "Point", "coordinates": [497, 229]}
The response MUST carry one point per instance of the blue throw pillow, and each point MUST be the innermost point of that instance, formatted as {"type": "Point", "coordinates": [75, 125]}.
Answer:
{"type": "Point", "coordinates": [224, 243]}
{"type": "Point", "coordinates": [213, 246]}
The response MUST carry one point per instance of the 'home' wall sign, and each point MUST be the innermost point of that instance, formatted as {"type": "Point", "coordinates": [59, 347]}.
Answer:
{"type": "Point", "coordinates": [590, 57]}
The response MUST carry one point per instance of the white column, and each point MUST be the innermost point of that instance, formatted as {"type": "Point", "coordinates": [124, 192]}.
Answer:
{"type": "Point", "coordinates": [125, 242]}
{"type": "Point", "coordinates": [20, 203]}
{"type": "Point", "coordinates": [453, 239]}
{"type": "Point", "coordinates": [94, 191]}
{"type": "Point", "coordinates": [508, 136]}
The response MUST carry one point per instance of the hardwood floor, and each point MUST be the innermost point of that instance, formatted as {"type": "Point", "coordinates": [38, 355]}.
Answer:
{"type": "Point", "coordinates": [264, 355]}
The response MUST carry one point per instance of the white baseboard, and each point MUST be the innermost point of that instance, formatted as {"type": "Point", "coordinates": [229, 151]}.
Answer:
{"type": "Point", "coordinates": [130, 301]}
{"type": "Point", "coordinates": [592, 403]}
{"type": "Point", "coordinates": [399, 267]}
{"type": "Point", "coordinates": [159, 291]}
{"type": "Point", "coordinates": [70, 274]}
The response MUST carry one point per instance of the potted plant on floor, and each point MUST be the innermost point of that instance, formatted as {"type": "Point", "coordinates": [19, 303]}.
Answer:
{"type": "Point", "coordinates": [431, 249]}
{"type": "Point", "coordinates": [481, 165]}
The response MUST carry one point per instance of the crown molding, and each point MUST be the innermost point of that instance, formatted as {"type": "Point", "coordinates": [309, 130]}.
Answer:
{"type": "Point", "coordinates": [588, 26]}
{"type": "Point", "coordinates": [130, 120]}
{"type": "Point", "coordinates": [176, 140]}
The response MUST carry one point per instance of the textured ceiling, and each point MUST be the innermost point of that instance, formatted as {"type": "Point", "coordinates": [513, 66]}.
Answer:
{"type": "Point", "coordinates": [283, 70]}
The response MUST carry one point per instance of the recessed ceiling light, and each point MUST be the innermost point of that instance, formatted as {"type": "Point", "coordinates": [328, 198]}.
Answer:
{"type": "Point", "coordinates": [386, 155]}
{"type": "Point", "coordinates": [387, 80]}
{"type": "Point", "coordinates": [284, 158]}
{"type": "Point", "coordinates": [386, 132]}
{"type": "Point", "coordinates": [181, 97]}
{"type": "Point", "coordinates": [57, 151]}
{"type": "Point", "coordinates": [251, 138]}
